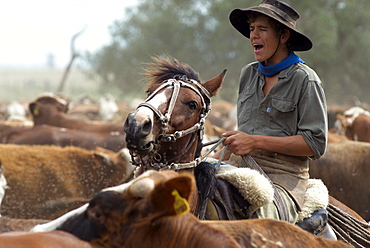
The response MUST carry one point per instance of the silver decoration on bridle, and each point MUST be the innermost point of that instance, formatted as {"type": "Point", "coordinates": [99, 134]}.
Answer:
{"type": "Point", "coordinates": [198, 88]}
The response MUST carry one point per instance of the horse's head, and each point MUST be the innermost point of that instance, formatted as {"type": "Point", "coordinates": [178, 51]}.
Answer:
{"type": "Point", "coordinates": [167, 126]}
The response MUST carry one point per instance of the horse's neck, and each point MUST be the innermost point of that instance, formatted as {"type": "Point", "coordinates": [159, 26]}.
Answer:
{"type": "Point", "coordinates": [180, 152]}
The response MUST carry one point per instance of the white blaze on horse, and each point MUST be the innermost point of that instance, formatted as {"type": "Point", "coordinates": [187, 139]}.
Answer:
{"type": "Point", "coordinates": [167, 128]}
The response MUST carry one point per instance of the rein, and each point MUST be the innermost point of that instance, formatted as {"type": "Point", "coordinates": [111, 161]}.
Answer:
{"type": "Point", "coordinates": [165, 118]}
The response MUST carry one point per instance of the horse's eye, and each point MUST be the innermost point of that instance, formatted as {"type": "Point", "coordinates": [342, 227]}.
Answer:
{"type": "Point", "coordinates": [147, 93]}
{"type": "Point", "coordinates": [192, 105]}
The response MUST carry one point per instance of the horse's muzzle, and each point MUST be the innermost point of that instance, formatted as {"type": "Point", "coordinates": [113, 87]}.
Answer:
{"type": "Point", "coordinates": [138, 134]}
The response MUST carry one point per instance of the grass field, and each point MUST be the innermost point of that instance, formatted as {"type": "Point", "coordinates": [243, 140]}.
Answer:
{"type": "Point", "coordinates": [26, 84]}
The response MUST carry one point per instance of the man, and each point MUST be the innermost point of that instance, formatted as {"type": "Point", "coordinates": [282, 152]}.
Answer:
{"type": "Point", "coordinates": [281, 104]}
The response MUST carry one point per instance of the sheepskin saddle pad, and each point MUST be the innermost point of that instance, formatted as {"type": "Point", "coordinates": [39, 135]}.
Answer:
{"type": "Point", "coordinates": [258, 191]}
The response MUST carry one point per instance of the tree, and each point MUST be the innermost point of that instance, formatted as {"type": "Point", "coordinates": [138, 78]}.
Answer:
{"type": "Point", "coordinates": [198, 32]}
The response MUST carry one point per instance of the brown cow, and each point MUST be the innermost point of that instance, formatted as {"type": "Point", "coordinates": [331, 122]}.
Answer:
{"type": "Point", "coordinates": [334, 136]}
{"type": "Point", "coordinates": [11, 224]}
{"type": "Point", "coordinates": [39, 177]}
{"type": "Point", "coordinates": [355, 123]}
{"type": "Point", "coordinates": [359, 130]}
{"type": "Point", "coordinates": [6, 124]}
{"type": "Point", "coordinates": [152, 211]}
{"type": "Point", "coordinates": [345, 170]}
{"type": "Point", "coordinates": [54, 239]}
{"type": "Point", "coordinates": [333, 110]}
{"type": "Point", "coordinates": [51, 110]}
{"type": "Point", "coordinates": [51, 135]}
{"type": "Point", "coordinates": [223, 115]}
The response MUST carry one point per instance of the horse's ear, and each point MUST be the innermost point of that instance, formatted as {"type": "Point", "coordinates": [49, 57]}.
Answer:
{"type": "Point", "coordinates": [214, 84]}
{"type": "Point", "coordinates": [171, 197]}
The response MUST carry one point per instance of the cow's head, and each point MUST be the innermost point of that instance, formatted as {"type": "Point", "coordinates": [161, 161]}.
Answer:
{"type": "Point", "coordinates": [117, 214]}
{"type": "Point", "coordinates": [50, 101]}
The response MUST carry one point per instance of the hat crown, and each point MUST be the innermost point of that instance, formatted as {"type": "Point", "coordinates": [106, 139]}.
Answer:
{"type": "Point", "coordinates": [277, 10]}
{"type": "Point", "coordinates": [282, 7]}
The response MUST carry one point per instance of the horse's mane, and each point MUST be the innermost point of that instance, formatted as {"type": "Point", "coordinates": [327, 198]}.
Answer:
{"type": "Point", "coordinates": [163, 68]}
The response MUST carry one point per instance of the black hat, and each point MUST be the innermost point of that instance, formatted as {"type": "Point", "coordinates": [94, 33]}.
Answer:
{"type": "Point", "coordinates": [278, 11]}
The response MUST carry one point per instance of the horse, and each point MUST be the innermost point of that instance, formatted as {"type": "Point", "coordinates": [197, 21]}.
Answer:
{"type": "Point", "coordinates": [165, 132]}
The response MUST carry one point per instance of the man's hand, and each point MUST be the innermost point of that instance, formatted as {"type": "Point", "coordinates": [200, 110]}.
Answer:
{"type": "Point", "coordinates": [239, 143]}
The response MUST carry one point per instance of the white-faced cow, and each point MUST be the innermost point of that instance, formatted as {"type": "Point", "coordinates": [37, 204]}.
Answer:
{"type": "Point", "coordinates": [355, 123]}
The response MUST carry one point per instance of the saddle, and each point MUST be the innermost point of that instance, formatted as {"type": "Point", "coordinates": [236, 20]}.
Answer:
{"type": "Point", "coordinates": [240, 191]}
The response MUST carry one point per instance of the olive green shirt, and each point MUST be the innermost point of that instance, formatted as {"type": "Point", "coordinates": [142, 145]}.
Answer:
{"type": "Point", "coordinates": [296, 104]}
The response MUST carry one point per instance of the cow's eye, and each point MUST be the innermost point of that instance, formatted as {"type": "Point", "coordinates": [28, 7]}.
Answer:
{"type": "Point", "coordinates": [192, 105]}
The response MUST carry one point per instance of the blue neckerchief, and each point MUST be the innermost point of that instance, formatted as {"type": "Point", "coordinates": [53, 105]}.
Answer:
{"type": "Point", "coordinates": [272, 70]}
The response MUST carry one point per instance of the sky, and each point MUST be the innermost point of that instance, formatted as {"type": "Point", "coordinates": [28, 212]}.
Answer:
{"type": "Point", "coordinates": [31, 30]}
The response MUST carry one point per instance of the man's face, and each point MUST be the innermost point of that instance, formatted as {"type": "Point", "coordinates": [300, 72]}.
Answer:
{"type": "Point", "coordinates": [264, 40]}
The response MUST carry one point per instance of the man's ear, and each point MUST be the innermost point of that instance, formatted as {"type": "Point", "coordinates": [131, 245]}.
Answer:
{"type": "Point", "coordinates": [284, 37]}
{"type": "Point", "coordinates": [171, 197]}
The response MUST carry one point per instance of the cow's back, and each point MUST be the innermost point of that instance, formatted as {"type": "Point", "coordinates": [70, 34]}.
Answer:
{"type": "Point", "coordinates": [345, 170]}
{"type": "Point", "coordinates": [42, 176]}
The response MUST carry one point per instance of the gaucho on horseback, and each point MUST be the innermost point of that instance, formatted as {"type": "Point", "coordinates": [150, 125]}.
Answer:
{"type": "Point", "coordinates": [282, 120]}
{"type": "Point", "coordinates": [262, 171]}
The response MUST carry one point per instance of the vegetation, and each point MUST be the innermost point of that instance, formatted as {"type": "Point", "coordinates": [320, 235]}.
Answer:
{"type": "Point", "coordinates": [199, 33]}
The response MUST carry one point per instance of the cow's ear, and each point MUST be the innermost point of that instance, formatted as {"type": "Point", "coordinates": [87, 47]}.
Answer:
{"type": "Point", "coordinates": [103, 158]}
{"type": "Point", "coordinates": [33, 109]}
{"type": "Point", "coordinates": [172, 196]}
{"type": "Point", "coordinates": [95, 213]}
{"type": "Point", "coordinates": [343, 120]}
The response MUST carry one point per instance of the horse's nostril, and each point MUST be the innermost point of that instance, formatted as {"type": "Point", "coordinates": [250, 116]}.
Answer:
{"type": "Point", "coordinates": [128, 122]}
{"type": "Point", "coordinates": [146, 127]}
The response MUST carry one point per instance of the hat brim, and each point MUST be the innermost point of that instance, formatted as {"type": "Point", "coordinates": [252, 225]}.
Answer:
{"type": "Point", "coordinates": [239, 19]}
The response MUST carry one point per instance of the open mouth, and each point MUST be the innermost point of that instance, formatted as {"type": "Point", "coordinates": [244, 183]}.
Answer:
{"type": "Point", "coordinates": [141, 150]}
{"type": "Point", "coordinates": [257, 48]}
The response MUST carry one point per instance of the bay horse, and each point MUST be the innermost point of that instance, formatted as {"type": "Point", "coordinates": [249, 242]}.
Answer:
{"type": "Point", "coordinates": [165, 131]}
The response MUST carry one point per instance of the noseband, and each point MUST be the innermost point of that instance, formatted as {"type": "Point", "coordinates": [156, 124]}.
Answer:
{"type": "Point", "coordinates": [176, 84]}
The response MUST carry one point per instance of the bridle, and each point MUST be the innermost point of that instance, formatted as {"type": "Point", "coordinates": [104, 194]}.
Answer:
{"type": "Point", "coordinates": [176, 83]}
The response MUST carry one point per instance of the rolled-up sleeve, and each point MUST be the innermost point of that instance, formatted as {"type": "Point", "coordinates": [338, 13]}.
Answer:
{"type": "Point", "coordinates": [312, 123]}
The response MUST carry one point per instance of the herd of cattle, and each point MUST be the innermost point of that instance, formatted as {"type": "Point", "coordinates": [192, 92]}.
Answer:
{"type": "Point", "coordinates": [56, 155]}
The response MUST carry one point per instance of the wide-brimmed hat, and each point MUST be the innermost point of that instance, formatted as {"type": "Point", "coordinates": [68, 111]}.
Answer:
{"type": "Point", "coordinates": [277, 10]}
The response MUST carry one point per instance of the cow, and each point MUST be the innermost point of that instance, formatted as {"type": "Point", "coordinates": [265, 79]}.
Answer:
{"type": "Point", "coordinates": [108, 107]}
{"type": "Point", "coordinates": [54, 239]}
{"type": "Point", "coordinates": [153, 211]}
{"type": "Point", "coordinates": [84, 112]}
{"type": "Point", "coordinates": [52, 135]}
{"type": "Point", "coordinates": [3, 185]}
{"type": "Point", "coordinates": [223, 115]}
{"type": "Point", "coordinates": [8, 224]}
{"type": "Point", "coordinates": [354, 123]}
{"type": "Point", "coordinates": [345, 170]}
{"type": "Point", "coordinates": [51, 110]}
{"type": "Point", "coordinates": [10, 123]}
{"type": "Point", "coordinates": [43, 177]}
{"type": "Point", "coordinates": [334, 136]}
{"type": "Point", "coordinates": [333, 110]}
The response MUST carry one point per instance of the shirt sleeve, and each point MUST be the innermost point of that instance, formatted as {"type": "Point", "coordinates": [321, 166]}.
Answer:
{"type": "Point", "coordinates": [312, 123]}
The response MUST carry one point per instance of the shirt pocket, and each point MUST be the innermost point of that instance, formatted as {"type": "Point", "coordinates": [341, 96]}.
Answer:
{"type": "Point", "coordinates": [245, 106]}
{"type": "Point", "coordinates": [283, 116]}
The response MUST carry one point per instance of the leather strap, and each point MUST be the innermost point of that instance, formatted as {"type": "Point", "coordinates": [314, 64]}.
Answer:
{"type": "Point", "coordinates": [279, 202]}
